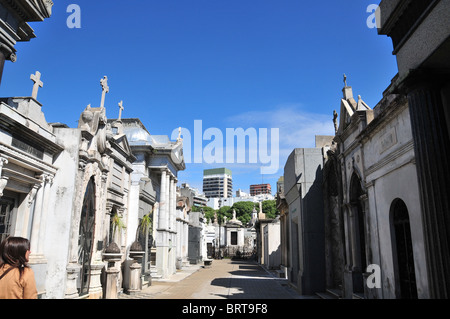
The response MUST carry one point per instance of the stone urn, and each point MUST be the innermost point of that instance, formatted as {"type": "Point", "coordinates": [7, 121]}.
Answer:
{"type": "Point", "coordinates": [112, 253]}
{"type": "Point", "coordinates": [136, 251]}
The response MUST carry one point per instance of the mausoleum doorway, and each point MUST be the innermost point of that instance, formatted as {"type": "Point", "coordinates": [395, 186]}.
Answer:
{"type": "Point", "coordinates": [86, 237]}
{"type": "Point", "coordinates": [405, 275]}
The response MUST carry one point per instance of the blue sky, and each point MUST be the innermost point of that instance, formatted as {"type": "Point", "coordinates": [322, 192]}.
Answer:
{"type": "Point", "coordinates": [234, 63]}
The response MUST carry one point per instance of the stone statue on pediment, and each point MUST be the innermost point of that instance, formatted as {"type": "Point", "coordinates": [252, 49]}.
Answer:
{"type": "Point", "coordinates": [234, 220]}
{"type": "Point", "coordinates": [94, 121]}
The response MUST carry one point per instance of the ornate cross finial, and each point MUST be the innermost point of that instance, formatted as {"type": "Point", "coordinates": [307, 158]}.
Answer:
{"type": "Point", "coordinates": [105, 89]}
{"type": "Point", "coordinates": [120, 110]}
{"type": "Point", "coordinates": [36, 78]}
{"type": "Point", "coordinates": [179, 134]}
{"type": "Point", "coordinates": [345, 80]}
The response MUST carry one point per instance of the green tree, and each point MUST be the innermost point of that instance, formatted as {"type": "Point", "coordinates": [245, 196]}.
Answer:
{"type": "Point", "coordinates": [243, 211]}
{"type": "Point", "coordinates": [208, 211]}
{"type": "Point", "coordinates": [269, 207]}
{"type": "Point", "coordinates": [224, 211]}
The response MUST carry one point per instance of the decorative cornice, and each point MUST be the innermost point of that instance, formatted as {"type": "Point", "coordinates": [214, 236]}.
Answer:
{"type": "Point", "coordinates": [23, 159]}
{"type": "Point", "coordinates": [390, 157]}
{"type": "Point", "coordinates": [30, 10]}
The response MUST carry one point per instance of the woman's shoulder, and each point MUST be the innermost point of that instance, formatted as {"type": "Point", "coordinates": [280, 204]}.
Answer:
{"type": "Point", "coordinates": [28, 271]}
{"type": "Point", "coordinates": [5, 268]}
{"type": "Point", "coordinates": [27, 276]}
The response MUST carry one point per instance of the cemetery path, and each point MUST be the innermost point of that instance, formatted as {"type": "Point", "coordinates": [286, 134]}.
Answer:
{"type": "Point", "coordinates": [225, 279]}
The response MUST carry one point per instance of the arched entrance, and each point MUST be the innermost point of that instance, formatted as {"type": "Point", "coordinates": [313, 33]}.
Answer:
{"type": "Point", "coordinates": [405, 275]}
{"type": "Point", "coordinates": [86, 237]}
{"type": "Point", "coordinates": [360, 261]}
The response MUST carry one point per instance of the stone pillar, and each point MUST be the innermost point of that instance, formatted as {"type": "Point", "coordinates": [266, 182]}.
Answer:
{"type": "Point", "coordinates": [162, 240]}
{"type": "Point", "coordinates": [26, 216]}
{"type": "Point", "coordinates": [348, 248]}
{"type": "Point", "coordinates": [171, 238]}
{"type": "Point", "coordinates": [135, 278]}
{"type": "Point", "coordinates": [167, 202]}
{"type": "Point", "coordinates": [36, 227]}
{"type": "Point", "coordinates": [354, 239]}
{"type": "Point", "coordinates": [428, 99]}
{"type": "Point", "coordinates": [348, 270]}
{"type": "Point", "coordinates": [171, 205]}
{"type": "Point", "coordinates": [162, 218]}
{"type": "Point", "coordinates": [135, 284]}
{"type": "Point", "coordinates": [174, 203]}
{"type": "Point", "coordinates": [112, 274]}
{"type": "Point", "coordinates": [44, 213]}
{"type": "Point", "coordinates": [179, 237]}
{"type": "Point", "coordinates": [185, 242]}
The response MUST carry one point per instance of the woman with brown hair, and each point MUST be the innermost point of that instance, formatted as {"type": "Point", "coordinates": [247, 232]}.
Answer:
{"type": "Point", "coordinates": [16, 277]}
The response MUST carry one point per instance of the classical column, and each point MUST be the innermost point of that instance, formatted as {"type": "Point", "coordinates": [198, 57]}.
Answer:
{"type": "Point", "coordinates": [44, 213]}
{"type": "Point", "coordinates": [169, 240]}
{"type": "Point", "coordinates": [36, 227]}
{"type": "Point", "coordinates": [162, 239]}
{"type": "Point", "coordinates": [162, 218]}
{"type": "Point", "coordinates": [172, 200]}
{"type": "Point", "coordinates": [428, 98]}
{"type": "Point", "coordinates": [167, 201]}
{"type": "Point", "coordinates": [27, 212]}
{"type": "Point", "coordinates": [347, 233]}
{"type": "Point", "coordinates": [354, 235]}
{"type": "Point", "coordinates": [179, 241]}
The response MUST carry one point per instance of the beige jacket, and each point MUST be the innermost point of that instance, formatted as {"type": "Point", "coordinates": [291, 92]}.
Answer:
{"type": "Point", "coordinates": [14, 287]}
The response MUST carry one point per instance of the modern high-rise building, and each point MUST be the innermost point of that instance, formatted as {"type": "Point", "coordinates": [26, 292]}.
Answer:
{"type": "Point", "coordinates": [260, 189]}
{"type": "Point", "coordinates": [217, 183]}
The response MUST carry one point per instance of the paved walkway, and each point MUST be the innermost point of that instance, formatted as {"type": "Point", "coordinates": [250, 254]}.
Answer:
{"type": "Point", "coordinates": [225, 279]}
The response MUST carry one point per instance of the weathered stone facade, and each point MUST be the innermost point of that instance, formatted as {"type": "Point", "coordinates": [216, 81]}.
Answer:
{"type": "Point", "coordinates": [420, 34]}
{"type": "Point", "coordinates": [303, 193]}
{"type": "Point", "coordinates": [368, 171]}
{"type": "Point", "coordinates": [158, 163]}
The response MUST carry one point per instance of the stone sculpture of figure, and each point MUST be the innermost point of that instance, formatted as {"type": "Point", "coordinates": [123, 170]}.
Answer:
{"type": "Point", "coordinates": [105, 89]}
{"type": "Point", "coordinates": [335, 116]}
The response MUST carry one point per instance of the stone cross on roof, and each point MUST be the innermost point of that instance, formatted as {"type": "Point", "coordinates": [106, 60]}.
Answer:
{"type": "Point", "coordinates": [36, 78]}
{"type": "Point", "coordinates": [120, 110]}
{"type": "Point", "coordinates": [345, 80]}
{"type": "Point", "coordinates": [105, 89]}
